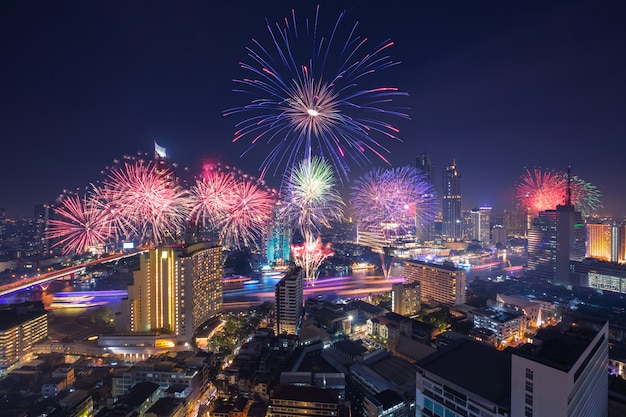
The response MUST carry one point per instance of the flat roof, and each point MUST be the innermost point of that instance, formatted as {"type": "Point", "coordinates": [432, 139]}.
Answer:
{"type": "Point", "coordinates": [475, 367]}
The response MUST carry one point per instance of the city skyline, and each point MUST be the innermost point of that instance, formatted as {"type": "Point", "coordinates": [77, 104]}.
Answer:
{"type": "Point", "coordinates": [497, 88]}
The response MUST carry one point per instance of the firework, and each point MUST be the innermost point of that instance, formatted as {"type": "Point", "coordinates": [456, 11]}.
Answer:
{"type": "Point", "coordinates": [390, 202]}
{"type": "Point", "coordinates": [147, 200]}
{"type": "Point", "coordinates": [212, 196]}
{"type": "Point", "coordinates": [315, 94]}
{"type": "Point", "coordinates": [237, 206]}
{"type": "Point", "coordinates": [83, 224]}
{"type": "Point", "coordinates": [310, 255]}
{"type": "Point", "coordinates": [585, 197]}
{"type": "Point", "coordinates": [539, 190]}
{"type": "Point", "coordinates": [544, 190]}
{"type": "Point", "coordinates": [310, 196]}
{"type": "Point", "coordinates": [250, 207]}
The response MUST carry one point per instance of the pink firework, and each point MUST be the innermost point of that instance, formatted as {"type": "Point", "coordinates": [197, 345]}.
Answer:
{"type": "Point", "coordinates": [83, 224]}
{"type": "Point", "coordinates": [249, 210]}
{"type": "Point", "coordinates": [147, 200]}
{"type": "Point", "coordinates": [540, 190]}
{"type": "Point", "coordinates": [310, 255]}
{"type": "Point", "coordinates": [212, 195]}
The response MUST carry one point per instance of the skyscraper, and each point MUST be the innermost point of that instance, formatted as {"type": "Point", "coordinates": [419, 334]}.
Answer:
{"type": "Point", "coordinates": [278, 247]}
{"type": "Point", "coordinates": [289, 299]}
{"type": "Point", "coordinates": [555, 238]}
{"type": "Point", "coordinates": [176, 289]}
{"type": "Point", "coordinates": [481, 225]}
{"type": "Point", "coordinates": [426, 230]}
{"type": "Point", "coordinates": [451, 203]}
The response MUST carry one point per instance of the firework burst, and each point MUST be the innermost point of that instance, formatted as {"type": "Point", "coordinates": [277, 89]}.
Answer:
{"type": "Point", "coordinates": [540, 190]}
{"type": "Point", "coordinates": [82, 225]}
{"type": "Point", "coordinates": [313, 94]}
{"type": "Point", "coordinates": [147, 200]}
{"type": "Point", "coordinates": [237, 206]}
{"type": "Point", "coordinates": [310, 196]}
{"type": "Point", "coordinates": [250, 207]}
{"type": "Point", "coordinates": [391, 202]}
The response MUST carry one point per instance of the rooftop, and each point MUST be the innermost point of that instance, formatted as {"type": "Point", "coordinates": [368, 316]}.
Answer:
{"type": "Point", "coordinates": [474, 366]}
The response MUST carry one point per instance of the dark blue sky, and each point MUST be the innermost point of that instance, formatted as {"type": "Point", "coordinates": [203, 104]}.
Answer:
{"type": "Point", "coordinates": [497, 86]}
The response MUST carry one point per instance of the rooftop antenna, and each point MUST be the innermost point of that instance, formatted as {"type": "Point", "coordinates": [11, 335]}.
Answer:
{"type": "Point", "coordinates": [569, 186]}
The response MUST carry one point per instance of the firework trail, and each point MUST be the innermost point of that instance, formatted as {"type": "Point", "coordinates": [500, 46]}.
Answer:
{"type": "Point", "coordinates": [315, 94]}
{"type": "Point", "coordinates": [148, 201]}
{"type": "Point", "coordinates": [310, 255]}
{"type": "Point", "coordinates": [388, 203]}
{"type": "Point", "coordinates": [82, 225]}
{"type": "Point", "coordinates": [310, 196]}
{"type": "Point", "coordinates": [540, 190]}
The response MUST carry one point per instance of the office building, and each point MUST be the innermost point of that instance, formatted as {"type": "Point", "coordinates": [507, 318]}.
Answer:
{"type": "Point", "coordinates": [556, 237]}
{"type": "Point", "coordinates": [21, 326]}
{"type": "Point", "coordinates": [451, 203]}
{"type": "Point", "coordinates": [289, 307]}
{"type": "Point", "coordinates": [563, 373]}
{"type": "Point", "coordinates": [515, 223]}
{"type": "Point", "coordinates": [426, 230]}
{"type": "Point", "coordinates": [439, 283]}
{"type": "Point", "coordinates": [176, 289]}
{"type": "Point", "coordinates": [482, 225]}
{"type": "Point", "coordinates": [406, 299]}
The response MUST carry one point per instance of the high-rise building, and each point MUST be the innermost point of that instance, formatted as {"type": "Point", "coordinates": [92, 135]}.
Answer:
{"type": "Point", "coordinates": [606, 242]}
{"type": "Point", "coordinates": [563, 373]}
{"type": "Point", "coordinates": [176, 289]}
{"type": "Point", "coordinates": [278, 245]}
{"type": "Point", "coordinates": [556, 237]}
{"type": "Point", "coordinates": [426, 230]}
{"type": "Point", "coordinates": [440, 284]}
{"type": "Point", "coordinates": [406, 299]}
{"type": "Point", "coordinates": [289, 307]}
{"type": "Point", "coordinates": [515, 223]}
{"type": "Point", "coordinates": [21, 326]}
{"type": "Point", "coordinates": [451, 203]}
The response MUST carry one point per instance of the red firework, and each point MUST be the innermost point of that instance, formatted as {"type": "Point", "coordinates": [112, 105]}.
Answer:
{"type": "Point", "coordinates": [83, 224]}
{"type": "Point", "coordinates": [211, 195]}
{"type": "Point", "coordinates": [540, 190]}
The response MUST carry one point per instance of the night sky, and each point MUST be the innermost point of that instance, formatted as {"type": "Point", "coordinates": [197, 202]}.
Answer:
{"type": "Point", "coordinates": [495, 85]}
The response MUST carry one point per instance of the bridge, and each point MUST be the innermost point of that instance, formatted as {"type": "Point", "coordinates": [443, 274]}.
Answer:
{"type": "Point", "coordinates": [71, 271]}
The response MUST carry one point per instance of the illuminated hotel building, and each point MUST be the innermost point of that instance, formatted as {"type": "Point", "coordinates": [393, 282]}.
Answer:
{"type": "Point", "coordinates": [606, 242]}
{"type": "Point", "coordinates": [21, 326]}
{"type": "Point", "coordinates": [439, 284]}
{"type": "Point", "coordinates": [175, 290]}
{"type": "Point", "coordinates": [451, 203]}
{"type": "Point", "coordinates": [289, 298]}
